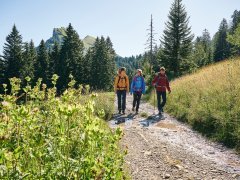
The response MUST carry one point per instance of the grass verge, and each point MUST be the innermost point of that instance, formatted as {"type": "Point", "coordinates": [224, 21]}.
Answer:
{"type": "Point", "coordinates": [209, 100]}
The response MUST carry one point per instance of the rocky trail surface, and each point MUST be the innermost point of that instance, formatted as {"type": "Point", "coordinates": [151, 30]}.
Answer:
{"type": "Point", "coordinates": [160, 147]}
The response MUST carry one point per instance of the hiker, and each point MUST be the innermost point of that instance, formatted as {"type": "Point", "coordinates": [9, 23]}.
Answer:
{"type": "Point", "coordinates": [161, 83]}
{"type": "Point", "coordinates": [137, 89]}
{"type": "Point", "coordinates": [121, 88]}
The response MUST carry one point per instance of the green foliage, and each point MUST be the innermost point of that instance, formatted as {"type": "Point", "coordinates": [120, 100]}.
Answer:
{"type": "Point", "coordinates": [95, 67]}
{"type": "Point", "coordinates": [202, 51]}
{"type": "Point", "coordinates": [209, 100]}
{"type": "Point", "coordinates": [222, 47]}
{"type": "Point", "coordinates": [29, 60]}
{"type": "Point", "coordinates": [52, 137]}
{"type": "Point", "coordinates": [87, 71]}
{"type": "Point", "coordinates": [103, 65]}
{"type": "Point", "coordinates": [42, 63]}
{"type": "Point", "coordinates": [235, 21]}
{"type": "Point", "coordinates": [12, 54]}
{"type": "Point", "coordinates": [71, 58]}
{"type": "Point", "coordinates": [2, 72]}
{"type": "Point", "coordinates": [130, 63]}
{"type": "Point", "coordinates": [54, 60]}
{"type": "Point", "coordinates": [103, 103]}
{"type": "Point", "coordinates": [235, 38]}
{"type": "Point", "coordinates": [177, 40]}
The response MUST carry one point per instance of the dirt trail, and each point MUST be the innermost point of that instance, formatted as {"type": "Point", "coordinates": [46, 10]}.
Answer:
{"type": "Point", "coordinates": [164, 148]}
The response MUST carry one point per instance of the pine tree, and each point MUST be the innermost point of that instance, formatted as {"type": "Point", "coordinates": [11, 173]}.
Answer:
{"type": "Point", "coordinates": [235, 21]}
{"type": "Point", "coordinates": [177, 40]}
{"type": "Point", "coordinates": [110, 64]}
{"type": "Point", "coordinates": [235, 50]}
{"type": "Point", "coordinates": [99, 64]}
{"type": "Point", "coordinates": [87, 64]}
{"type": "Point", "coordinates": [202, 51]}
{"type": "Point", "coordinates": [71, 58]}
{"type": "Point", "coordinates": [222, 47]}
{"type": "Point", "coordinates": [29, 60]}
{"type": "Point", "coordinates": [207, 44]}
{"type": "Point", "coordinates": [2, 72]}
{"type": "Point", "coordinates": [12, 54]}
{"type": "Point", "coordinates": [54, 60]}
{"type": "Point", "coordinates": [131, 63]}
{"type": "Point", "coordinates": [234, 39]}
{"type": "Point", "coordinates": [103, 64]}
{"type": "Point", "coordinates": [96, 63]}
{"type": "Point", "coordinates": [42, 63]}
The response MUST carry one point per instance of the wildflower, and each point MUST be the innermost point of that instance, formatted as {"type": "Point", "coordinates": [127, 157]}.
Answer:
{"type": "Point", "coordinates": [6, 104]}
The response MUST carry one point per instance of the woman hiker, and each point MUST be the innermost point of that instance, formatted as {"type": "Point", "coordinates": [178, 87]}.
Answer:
{"type": "Point", "coordinates": [121, 88]}
{"type": "Point", "coordinates": [137, 89]}
{"type": "Point", "coordinates": [161, 83]}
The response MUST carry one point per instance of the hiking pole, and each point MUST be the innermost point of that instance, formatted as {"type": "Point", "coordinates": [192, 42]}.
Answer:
{"type": "Point", "coordinates": [154, 95]}
{"type": "Point", "coordinates": [154, 101]}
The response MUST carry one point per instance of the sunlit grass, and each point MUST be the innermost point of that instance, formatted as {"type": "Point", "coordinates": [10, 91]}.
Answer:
{"type": "Point", "coordinates": [209, 100]}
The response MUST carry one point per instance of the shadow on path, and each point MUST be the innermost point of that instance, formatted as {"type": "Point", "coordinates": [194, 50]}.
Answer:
{"type": "Point", "coordinates": [151, 120]}
{"type": "Point", "coordinates": [121, 118]}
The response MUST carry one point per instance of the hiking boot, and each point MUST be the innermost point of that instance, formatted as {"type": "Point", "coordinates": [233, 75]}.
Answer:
{"type": "Point", "coordinates": [119, 112]}
{"type": "Point", "coordinates": [123, 112]}
{"type": "Point", "coordinates": [133, 109]}
{"type": "Point", "coordinates": [159, 113]}
{"type": "Point", "coordinates": [136, 111]}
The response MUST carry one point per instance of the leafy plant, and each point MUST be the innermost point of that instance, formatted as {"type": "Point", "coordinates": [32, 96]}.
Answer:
{"type": "Point", "coordinates": [51, 137]}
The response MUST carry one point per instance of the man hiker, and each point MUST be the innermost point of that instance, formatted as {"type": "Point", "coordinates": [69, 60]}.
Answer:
{"type": "Point", "coordinates": [121, 88]}
{"type": "Point", "coordinates": [161, 83]}
{"type": "Point", "coordinates": [137, 89]}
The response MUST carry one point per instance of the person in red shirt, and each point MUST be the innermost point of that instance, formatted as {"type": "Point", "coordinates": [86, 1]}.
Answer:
{"type": "Point", "coordinates": [161, 83]}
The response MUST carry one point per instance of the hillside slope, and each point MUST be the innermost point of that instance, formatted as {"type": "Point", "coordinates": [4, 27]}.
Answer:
{"type": "Point", "coordinates": [209, 100]}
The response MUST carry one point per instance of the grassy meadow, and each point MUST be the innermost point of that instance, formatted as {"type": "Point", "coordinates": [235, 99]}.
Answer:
{"type": "Point", "coordinates": [209, 100]}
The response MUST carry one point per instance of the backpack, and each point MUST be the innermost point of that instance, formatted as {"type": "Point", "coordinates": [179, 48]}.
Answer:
{"type": "Point", "coordinates": [122, 82]}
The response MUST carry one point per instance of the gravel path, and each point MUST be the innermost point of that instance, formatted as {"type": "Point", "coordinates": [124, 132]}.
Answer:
{"type": "Point", "coordinates": [164, 148]}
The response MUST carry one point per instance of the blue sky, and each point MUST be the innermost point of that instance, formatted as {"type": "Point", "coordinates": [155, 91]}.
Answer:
{"type": "Point", "coordinates": [125, 21]}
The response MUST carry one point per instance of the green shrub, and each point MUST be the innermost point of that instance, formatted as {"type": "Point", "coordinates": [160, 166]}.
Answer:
{"type": "Point", "coordinates": [57, 138]}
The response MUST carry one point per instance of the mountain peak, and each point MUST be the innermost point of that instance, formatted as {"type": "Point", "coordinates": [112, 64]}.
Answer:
{"type": "Point", "coordinates": [59, 34]}
{"type": "Point", "coordinates": [61, 31]}
{"type": "Point", "coordinates": [88, 41]}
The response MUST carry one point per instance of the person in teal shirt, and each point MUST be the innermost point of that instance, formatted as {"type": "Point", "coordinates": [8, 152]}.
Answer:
{"type": "Point", "coordinates": [137, 89]}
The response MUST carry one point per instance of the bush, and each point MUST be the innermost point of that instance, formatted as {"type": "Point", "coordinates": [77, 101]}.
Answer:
{"type": "Point", "coordinates": [56, 138]}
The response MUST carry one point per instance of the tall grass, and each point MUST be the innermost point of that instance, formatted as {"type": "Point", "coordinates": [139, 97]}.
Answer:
{"type": "Point", "coordinates": [103, 102]}
{"type": "Point", "coordinates": [209, 100]}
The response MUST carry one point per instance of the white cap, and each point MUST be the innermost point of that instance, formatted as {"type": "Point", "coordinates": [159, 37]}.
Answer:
{"type": "Point", "coordinates": [139, 70]}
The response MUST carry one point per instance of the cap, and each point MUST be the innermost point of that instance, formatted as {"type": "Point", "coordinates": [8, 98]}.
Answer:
{"type": "Point", "coordinates": [162, 68]}
{"type": "Point", "coordinates": [123, 69]}
{"type": "Point", "coordinates": [139, 70]}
